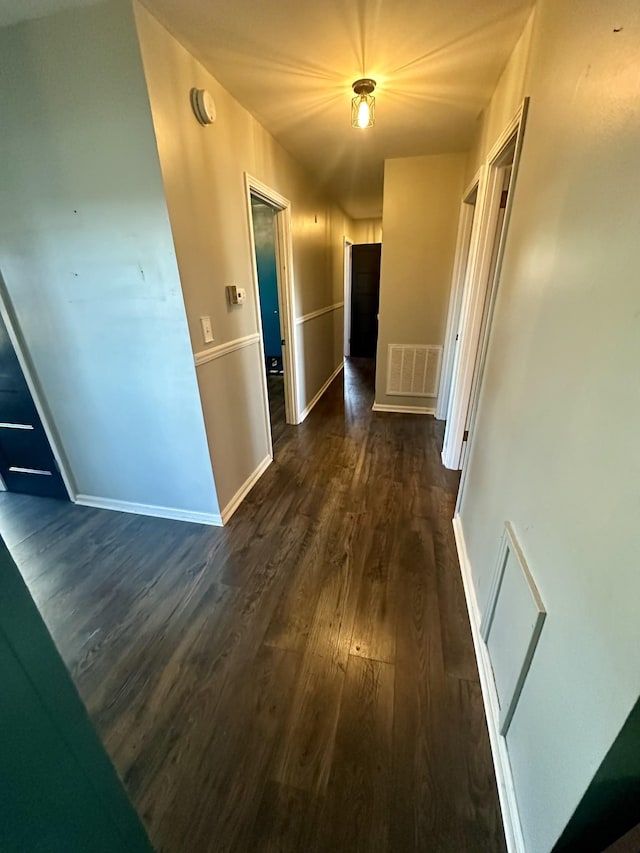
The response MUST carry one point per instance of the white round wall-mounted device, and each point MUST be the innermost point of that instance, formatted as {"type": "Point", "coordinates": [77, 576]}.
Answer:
{"type": "Point", "coordinates": [203, 106]}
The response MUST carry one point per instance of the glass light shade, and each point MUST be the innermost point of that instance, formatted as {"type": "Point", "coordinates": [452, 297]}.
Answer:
{"type": "Point", "coordinates": [363, 110]}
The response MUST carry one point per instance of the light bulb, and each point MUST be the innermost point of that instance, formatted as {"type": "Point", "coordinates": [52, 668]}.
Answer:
{"type": "Point", "coordinates": [363, 114]}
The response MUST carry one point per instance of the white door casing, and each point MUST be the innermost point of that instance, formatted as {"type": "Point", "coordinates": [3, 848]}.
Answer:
{"type": "Point", "coordinates": [478, 288]}
{"type": "Point", "coordinates": [458, 278]}
{"type": "Point", "coordinates": [286, 300]}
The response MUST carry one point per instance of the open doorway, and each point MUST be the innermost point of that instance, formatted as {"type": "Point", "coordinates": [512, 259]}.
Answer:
{"type": "Point", "coordinates": [504, 170]}
{"type": "Point", "coordinates": [365, 299]}
{"type": "Point", "coordinates": [488, 234]}
{"type": "Point", "coordinates": [270, 236]}
{"type": "Point", "coordinates": [264, 235]}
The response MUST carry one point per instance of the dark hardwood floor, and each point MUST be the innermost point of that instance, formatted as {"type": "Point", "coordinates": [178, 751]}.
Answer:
{"type": "Point", "coordinates": [301, 680]}
{"type": "Point", "coordinates": [275, 388]}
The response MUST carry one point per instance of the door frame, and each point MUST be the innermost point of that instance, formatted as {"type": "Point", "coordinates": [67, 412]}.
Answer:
{"type": "Point", "coordinates": [473, 340]}
{"type": "Point", "coordinates": [347, 243]}
{"type": "Point", "coordinates": [286, 297]}
{"type": "Point", "coordinates": [460, 265]}
{"type": "Point", "coordinates": [22, 354]}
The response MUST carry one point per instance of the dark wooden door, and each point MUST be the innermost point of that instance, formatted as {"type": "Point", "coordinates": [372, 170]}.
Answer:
{"type": "Point", "coordinates": [365, 299]}
{"type": "Point", "coordinates": [26, 460]}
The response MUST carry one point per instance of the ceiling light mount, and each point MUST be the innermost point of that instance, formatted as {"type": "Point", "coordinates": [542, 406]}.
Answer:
{"type": "Point", "coordinates": [363, 106]}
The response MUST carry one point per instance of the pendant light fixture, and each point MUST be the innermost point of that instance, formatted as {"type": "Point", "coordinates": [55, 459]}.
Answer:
{"type": "Point", "coordinates": [363, 106]}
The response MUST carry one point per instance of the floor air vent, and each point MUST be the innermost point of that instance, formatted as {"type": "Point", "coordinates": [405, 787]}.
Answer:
{"type": "Point", "coordinates": [414, 371]}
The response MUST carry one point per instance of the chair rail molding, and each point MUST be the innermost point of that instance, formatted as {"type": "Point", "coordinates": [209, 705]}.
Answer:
{"type": "Point", "coordinates": [313, 314]}
{"type": "Point", "coordinates": [211, 353]}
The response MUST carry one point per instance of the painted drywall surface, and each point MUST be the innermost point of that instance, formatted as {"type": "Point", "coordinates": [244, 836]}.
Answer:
{"type": "Point", "coordinates": [87, 258]}
{"type": "Point", "coordinates": [203, 171]}
{"type": "Point", "coordinates": [315, 332]}
{"type": "Point", "coordinates": [367, 231]}
{"type": "Point", "coordinates": [504, 104]}
{"type": "Point", "coordinates": [420, 216]}
{"type": "Point", "coordinates": [554, 449]}
{"type": "Point", "coordinates": [228, 379]}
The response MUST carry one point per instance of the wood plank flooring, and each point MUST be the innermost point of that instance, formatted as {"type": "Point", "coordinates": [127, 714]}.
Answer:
{"type": "Point", "coordinates": [301, 680]}
{"type": "Point", "coordinates": [275, 390]}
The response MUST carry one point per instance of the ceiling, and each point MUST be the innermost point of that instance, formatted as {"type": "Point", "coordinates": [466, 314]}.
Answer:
{"type": "Point", "coordinates": [292, 63]}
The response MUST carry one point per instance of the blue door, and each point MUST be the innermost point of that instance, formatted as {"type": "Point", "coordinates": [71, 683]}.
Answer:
{"type": "Point", "coordinates": [264, 233]}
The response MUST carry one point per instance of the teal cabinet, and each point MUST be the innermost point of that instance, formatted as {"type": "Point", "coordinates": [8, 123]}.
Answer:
{"type": "Point", "coordinates": [58, 789]}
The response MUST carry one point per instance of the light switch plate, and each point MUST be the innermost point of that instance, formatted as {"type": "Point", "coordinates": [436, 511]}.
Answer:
{"type": "Point", "coordinates": [207, 330]}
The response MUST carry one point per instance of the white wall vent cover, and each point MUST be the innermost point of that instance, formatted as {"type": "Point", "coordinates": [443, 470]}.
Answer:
{"type": "Point", "coordinates": [511, 624]}
{"type": "Point", "coordinates": [413, 371]}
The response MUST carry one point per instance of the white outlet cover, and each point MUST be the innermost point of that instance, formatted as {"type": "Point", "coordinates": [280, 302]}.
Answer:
{"type": "Point", "coordinates": [207, 329]}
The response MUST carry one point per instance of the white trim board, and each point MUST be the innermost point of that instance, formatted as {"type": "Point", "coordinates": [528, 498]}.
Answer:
{"type": "Point", "coordinates": [212, 353]}
{"type": "Point", "coordinates": [319, 394]}
{"type": "Point", "coordinates": [482, 277]}
{"type": "Point", "coordinates": [313, 314]}
{"type": "Point", "coordinates": [533, 619]}
{"type": "Point", "coordinates": [404, 410]}
{"type": "Point", "coordinates": [461, 260]}
{"type": "Point", "coordinates": [499, 751]}
{"type": "Point", "coordinates": [245, 488]}
{"type": "Point", "coordinates": [149, 509]}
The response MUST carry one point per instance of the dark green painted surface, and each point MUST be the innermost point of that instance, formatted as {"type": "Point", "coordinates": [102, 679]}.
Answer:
{"type": "Point", "coordinates": [58, 789]}
{"type": "Point", "coordinates": [611, 804]}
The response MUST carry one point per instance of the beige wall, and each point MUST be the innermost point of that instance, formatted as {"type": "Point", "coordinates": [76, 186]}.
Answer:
{"type": "Point", "coordinates": [88, 263]}
{"type": "Point", "coordinates": [366, 231]}
{"type": "Point", "coordinates": [555, 449]}
{"type": "Point", "coordinates": [507, 98]}
{"type": "Point", "coordinates": [203, 171]}
{"type": "Point", "coordinates": [420, 217]}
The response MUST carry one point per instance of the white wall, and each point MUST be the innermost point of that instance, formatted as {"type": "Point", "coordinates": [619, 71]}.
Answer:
{"type": "Point", "coordinates": [421, 204]}
{"type": "Point", "coordinates": [505, 102]}
{"type": "Point", "coordinates": [203, 171]}
{"type": "Point", "coordinates": [555, 450]}
{"type": "Point", "coordinates": [88, 262]}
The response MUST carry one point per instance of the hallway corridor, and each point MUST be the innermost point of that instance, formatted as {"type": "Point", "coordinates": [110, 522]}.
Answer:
{"type": "Point", "coordinates": [301, 680]}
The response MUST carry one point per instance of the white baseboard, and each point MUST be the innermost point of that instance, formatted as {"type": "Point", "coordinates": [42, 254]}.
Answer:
{"type": "Point", "coordinates": [404, 410]}
{"type": "Point", "coordinates": [306, 411]}
{"type": "Point", "coordinates": [499, 751]}
{"type": "Point", "coordinates": [245, 488]}
{"type": "Point", "coordinates": [150, 509]}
